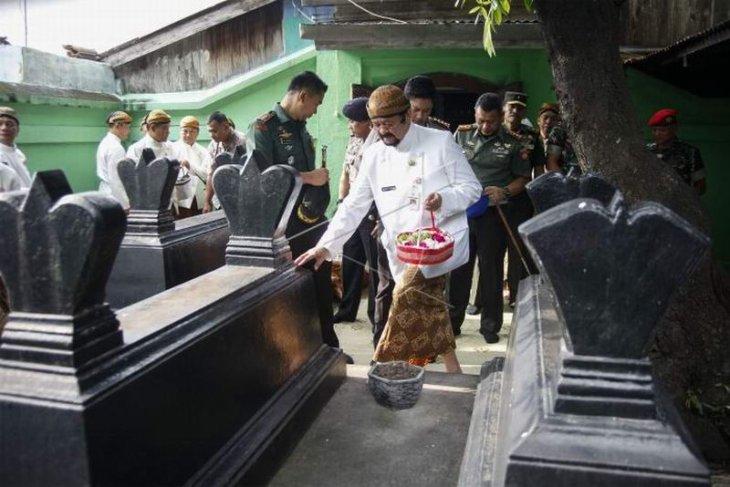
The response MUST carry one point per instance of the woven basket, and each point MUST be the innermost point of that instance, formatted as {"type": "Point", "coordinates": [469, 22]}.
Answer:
{"type": "Point", "coordinates": [397, 384]}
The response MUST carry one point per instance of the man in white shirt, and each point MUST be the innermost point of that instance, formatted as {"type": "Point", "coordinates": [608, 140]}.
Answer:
{"type": "Point", "coordinates": [157, 129]}
{"type": "Point", "coordinates": [14, 174]}
{"type": "Point", "coordinates": [108, 155]}
{"type": "Point", "coordinates": [189, 195]}
{"type": "Point", "coordinates": [409, 173]}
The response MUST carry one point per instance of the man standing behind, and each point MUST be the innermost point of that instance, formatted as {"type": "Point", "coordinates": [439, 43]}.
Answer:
{"type": "Point", "coordinates": [495, 157]}
{"type": "Point", "coordinates": [157, 129]}
{"type": "Point", "coordinates": [224, 140]}
{"type": "Point", "coordinates": [408, 173]}
{"type": "Point", "coordinates": [684, 158]}
{"type": "Point", "coordinates": [421, 93]}
{"type": "Point", "coordinates": [14, 174]}
{"type": "Point", "coordinates": [515, 107]}
{"type": "Point", "coordinates": [189, 196]}
{"type": "Point", "coordinates": [281, 136]}
{"type": "Point", "coordinates": [108, 155]}
{"type": "Point", "coordinates": [360, 250]}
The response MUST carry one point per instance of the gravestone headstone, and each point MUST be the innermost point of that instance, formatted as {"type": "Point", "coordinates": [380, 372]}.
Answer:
{"type": "Point", "coordinates": [553, 188]}
{"type": "Point", "coordinates": [578, 404]}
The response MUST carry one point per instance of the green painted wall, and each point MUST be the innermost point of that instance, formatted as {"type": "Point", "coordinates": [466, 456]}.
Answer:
{"type": "Point", "coordinates": [55, 136]}
{"type": "Point", "coordinates": [704, 123]}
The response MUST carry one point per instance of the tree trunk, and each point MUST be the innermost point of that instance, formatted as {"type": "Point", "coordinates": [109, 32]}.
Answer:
{"type": "Point", "coordinates": [690, 349]}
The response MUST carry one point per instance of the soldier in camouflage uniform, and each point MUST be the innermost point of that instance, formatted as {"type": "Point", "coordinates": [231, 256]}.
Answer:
{"type": "Point", "coordinates": [515, 107]}
{"type": "Point", "coordinates": [684, 158]}
{"type": "Point", "coordinates": [560, 153]}
{"type": "Point", "coordinates": [495, 156]}
{"type": "Point", "coordinates": [421, 93]}
{"type": "Point", "coordinates": [281, 136]}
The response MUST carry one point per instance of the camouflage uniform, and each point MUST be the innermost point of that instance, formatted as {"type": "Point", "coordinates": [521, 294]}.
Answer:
{"type": "Point", "coordinates": [532, 148]}
{"type": "Point", "coordinates": [558, 143]}
{"type": "Point", "coordinates": [496, 161]}
{"type": "Point", "coordinates": [683, 158]}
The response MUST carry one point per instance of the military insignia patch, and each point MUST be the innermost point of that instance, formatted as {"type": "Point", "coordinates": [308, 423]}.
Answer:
{"type": "Point", "coordinates": [266, 117]}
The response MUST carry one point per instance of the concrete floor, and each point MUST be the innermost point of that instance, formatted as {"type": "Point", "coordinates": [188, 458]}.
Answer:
{"type": "Point", "coordinates": [356, 339]}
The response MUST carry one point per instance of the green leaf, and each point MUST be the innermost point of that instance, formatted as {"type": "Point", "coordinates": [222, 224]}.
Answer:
{"type": "Point", "coordinates": [528, 5]}
{"type": "Point", "coordinates": [505, 5]}
{"type": "Point", "coordinates": [496, 16]}
{"type": "Point", "coordinates": [487, 40]}
{"type": "Point", "coordinates": [475, 10]}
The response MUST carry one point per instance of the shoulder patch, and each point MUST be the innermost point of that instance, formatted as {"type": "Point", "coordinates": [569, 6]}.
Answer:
{"type": "Point", "coordinates": [438, 123]}
{"type": "Point", "coordinates": [266, 116]}
{"type": "Point", "coordinates": [465, 127]}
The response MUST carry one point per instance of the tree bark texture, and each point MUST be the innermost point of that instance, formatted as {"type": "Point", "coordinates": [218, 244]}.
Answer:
{"type": "Point", "coordinates": [690, 348]}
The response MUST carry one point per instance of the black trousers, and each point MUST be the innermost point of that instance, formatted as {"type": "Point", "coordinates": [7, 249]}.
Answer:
{"type": "Point", "coordinates": [303, 237]}
{"type": "Point", "coordinates": [489, 240]}
{"type": "Point", "coordinates": [384, 296]}
{"type": "Point", "coordinates": [360, 250]}
{"type": "Point", "coordinates": [523, 210]}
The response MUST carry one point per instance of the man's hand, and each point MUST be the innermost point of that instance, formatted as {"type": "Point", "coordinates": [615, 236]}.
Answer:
{"type": "Point", "coordinates": [185, 164]}
{"type": "Point", "coordinates": [318, 177]}
{"type": "Point", "coordinates": [207, 207]}
{"type": "Point", "coordinates": [495, 194]}
{"type": "Point", "coordinates": [432, 202]}
{"type": "Point", "coordinates": [318, 254]}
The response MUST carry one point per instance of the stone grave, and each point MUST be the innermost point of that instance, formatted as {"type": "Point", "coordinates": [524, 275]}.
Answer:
{"type": "Point", "coordinates": [158, 253]}
{"type": "Point", "coordinates": [574, 402]}
{"type": "Point", "coordinates": [208, 383]}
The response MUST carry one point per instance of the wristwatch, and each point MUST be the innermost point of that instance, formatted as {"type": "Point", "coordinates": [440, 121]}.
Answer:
{"type": "Point", "coordinates": [507, 193]}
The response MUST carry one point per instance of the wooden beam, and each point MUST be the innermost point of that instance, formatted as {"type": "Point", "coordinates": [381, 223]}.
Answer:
{"type": "Point", "coordinates": [405, 36]}
{"type": "Point", "coordinates": [181, 29]}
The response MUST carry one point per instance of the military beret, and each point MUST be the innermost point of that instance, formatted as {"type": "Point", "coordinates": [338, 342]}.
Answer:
{"type": "Point", "coordinates": [662, 118]}
{"type": "Point", "coordinates": [548, 107]}
{"type": "Point", "coordinates": [157, 116]}
{"type": "Point", "coordinates": [118, 116]}
{"type": "Point", "coordinates": [386, 101]}
{"type": "Point", "coordinates": [515, 97]}
{"type": "Point", "coordinates": [356, 109]}
{"type": "Point", "coordinates": [420, 87]}
{"type": "Point", "coordinates": [10, 113]}
{"type": "Point", "coordinates": [189, 122]}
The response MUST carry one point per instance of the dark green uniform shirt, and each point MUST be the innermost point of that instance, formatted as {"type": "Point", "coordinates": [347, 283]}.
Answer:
{"type": "Point", "coordinates": [281, 140]}
{"type": "Point", "coordinates": [495, 159]}
{"type": "Point", "coordinates": [532, 148]}
{"type": "Point", "coordinates": [683, 158]}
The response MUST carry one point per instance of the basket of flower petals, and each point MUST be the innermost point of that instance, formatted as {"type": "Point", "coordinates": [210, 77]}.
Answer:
{"type": "Point", "coordinates": [425, 246]}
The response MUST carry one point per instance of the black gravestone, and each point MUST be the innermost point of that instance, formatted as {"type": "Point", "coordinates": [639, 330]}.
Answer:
{"type": "Point", "coordinates": [211, 382]}
{"type": "Point", "coordinates": [578, 405]}
{"type": "Point", "coordinates": [158, 253]}
{"type": "Point", "coordinates": [553, 188]}
{"type": "Point", "coordinates": [257, 205]}
{"type": "Point", "coordinates": [56, 290]}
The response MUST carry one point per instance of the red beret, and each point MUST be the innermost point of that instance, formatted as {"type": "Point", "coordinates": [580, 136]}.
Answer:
{"type": "Point", "coordinates": [662, 118]}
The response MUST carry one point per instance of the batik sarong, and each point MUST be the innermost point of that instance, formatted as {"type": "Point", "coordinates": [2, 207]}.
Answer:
{"type": "Point", "coordinates": [418, 324]}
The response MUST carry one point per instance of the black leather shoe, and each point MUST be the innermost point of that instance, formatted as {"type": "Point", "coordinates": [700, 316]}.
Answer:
{"type": "Point", "coordinates": [348, 359]}
{"type": "Point", "coordinates": [473, 310]}
{"type": "Point", "coordinates": [490, 337]}
{"type": "Point", "coordinates": [339, 319]}
{"type": "Point", "coordinates": [456, 332]}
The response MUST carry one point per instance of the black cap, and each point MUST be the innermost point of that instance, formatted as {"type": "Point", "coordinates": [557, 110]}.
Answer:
{"type": "Point", "coordinates": [420, 87]}
{"type": "Point", "coordinates": [356, 109]}
{"type": "Point", "coordinates": [515, 97]}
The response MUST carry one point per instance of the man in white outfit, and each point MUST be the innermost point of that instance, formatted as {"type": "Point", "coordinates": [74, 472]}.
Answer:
{"type": "Point", "coordinates": [195, 159]}
{"type": "Point", "coordinates": [157, 129]}
{"type": "Point", "coordinates": [14, 174]}
{"type": "Point", "coordinates": [108, 155]}
{"type": "Point", "coordinates": [409, 173]}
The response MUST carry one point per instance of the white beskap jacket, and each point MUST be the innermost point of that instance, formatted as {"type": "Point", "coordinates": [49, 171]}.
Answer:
{"type": "Point", "coordinates": [398, 179]}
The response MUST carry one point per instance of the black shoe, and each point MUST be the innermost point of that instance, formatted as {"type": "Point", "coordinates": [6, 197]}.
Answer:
{"type": "Point", "coordinates": [456, 332]}
{"type": "Point", "coordinates": [339, 319]}
{"type": "Point", "coordinates": [490, 337]}
{"type": "Point", "coordinates": [348, 359]}
{"type": "Point", "coordinates": [512, 304]}
{"type": "Point", "coordinates": [473, 310]}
